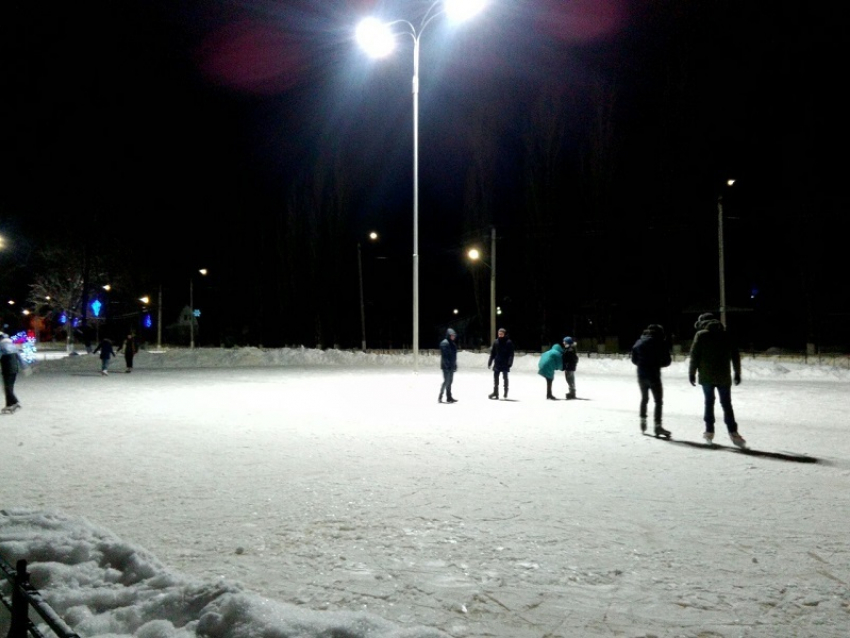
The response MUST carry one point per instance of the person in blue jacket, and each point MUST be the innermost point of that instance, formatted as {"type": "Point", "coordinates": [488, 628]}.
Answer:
{"type": "Point", "coordinates": [650, 353]}
{"type": "Point", "coordinates": [448, 364]}
{"type": "Point", "coordinates": [551, 362]}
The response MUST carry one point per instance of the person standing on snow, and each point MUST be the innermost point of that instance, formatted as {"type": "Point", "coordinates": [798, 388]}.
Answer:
{"type": "Point", "coordinates": [130, 349]}
{"type": "Point", "coordinates": [549, 363]}
{"type": "Point", "coordinates": [106, 353]}
{"type": "Point", "coordinates": [10, 362]}
{"type": "Point", "coordinates": [712, 354]}
{"type": "Point", "coordinates": [570, 360]}
{"type": "Point", "coordinates": [650, 353]}
{"type": "Point", "coordinates": [448, 364]}
{"type": "Point", "coordinates": [501, 360]}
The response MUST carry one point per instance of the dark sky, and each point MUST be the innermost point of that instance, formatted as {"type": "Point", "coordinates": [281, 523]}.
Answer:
{"type": "Point", "coordinates": [595, 134]}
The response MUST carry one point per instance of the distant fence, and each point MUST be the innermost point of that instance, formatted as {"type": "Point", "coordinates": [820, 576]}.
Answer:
{"type": "Point", "coordinates": [24, 596]}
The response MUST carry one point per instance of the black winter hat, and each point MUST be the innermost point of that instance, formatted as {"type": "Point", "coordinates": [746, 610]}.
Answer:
{"type": "Point", "coordinates": [704, 318]}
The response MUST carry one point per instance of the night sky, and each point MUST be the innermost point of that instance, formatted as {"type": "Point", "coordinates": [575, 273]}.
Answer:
{"type": "Point", "coordinates": [255, 139]}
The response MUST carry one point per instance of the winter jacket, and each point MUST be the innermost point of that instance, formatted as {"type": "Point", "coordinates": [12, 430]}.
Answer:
{"type": "Point", "coordinates": [502, 354]}
{"type": "Point", "coordinates": [448, 354]}
{"type": "Point", "coordinates": [105, 349]}
{"type": "Point", "coordinates": [570, 358]}
{"type": "Point", "coordinates": [650, 354]}
{"type": "Point", "coordinates": [10, 360]}
{"type": "Point", "coordinates": [551, 361]}
{"type": "Point", "coordinates": [711, 355]}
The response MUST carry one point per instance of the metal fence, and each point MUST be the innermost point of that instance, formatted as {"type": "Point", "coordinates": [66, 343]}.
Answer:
{"type": "Point", "coordinates": [24, 596]}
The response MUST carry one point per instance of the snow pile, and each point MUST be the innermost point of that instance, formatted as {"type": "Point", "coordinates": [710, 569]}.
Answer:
{"type": "Point", "coordinates": [251, 357]}
{"type": "Point", "coordinates": [102, 586]}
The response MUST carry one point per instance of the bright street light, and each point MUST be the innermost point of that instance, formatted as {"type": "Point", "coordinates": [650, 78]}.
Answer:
{"type": "Point", "coordinates": [377, 38]}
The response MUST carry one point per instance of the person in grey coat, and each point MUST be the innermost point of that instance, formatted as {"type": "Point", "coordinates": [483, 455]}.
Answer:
{"type": "Point", "coordinates": [448, 364]}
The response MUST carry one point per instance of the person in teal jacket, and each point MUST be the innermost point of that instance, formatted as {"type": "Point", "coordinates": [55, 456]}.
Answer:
{"type": "Point", "coordinates": [551, 362]}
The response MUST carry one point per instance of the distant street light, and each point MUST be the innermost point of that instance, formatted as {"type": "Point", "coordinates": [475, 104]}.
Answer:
{"type": "Point", "coordinates": [378, 40]}
{"type": "Point", "coordinates": [203, 271]}
{"type": "Point", "coordinates": [720, 253]}
{"type": "Point", "coordinates": [373, 236]}
{"type": "Point", "coordinates": [475, 255]}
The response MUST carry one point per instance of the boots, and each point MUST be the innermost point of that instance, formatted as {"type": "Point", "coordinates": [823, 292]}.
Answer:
{"type": "Point", "coordinates": [495, 393]}
{"type": "Point", "coordinates": [660, 431]}
{"type": "Point", "coordinates": [506, 391]}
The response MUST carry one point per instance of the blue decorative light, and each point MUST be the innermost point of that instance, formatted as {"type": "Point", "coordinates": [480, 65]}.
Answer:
{"type": "Point", "coordinates": [27, 342]}
{"type": "Point", "coordinates": [196, 312]}
{"type": "Point", "coordinates": [76, 322]}
{"type": "Point", "coordinates": [95, 307]}
{"type": "Point", "coordinates": [147, 322]}
{"type": "Point", "coordinates": [63, 318]}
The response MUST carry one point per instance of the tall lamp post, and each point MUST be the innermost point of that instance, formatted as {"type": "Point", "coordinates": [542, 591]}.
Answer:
{"type": "Point", "coordinates": [721, 255]}
{"type": "Point", "coordinates": [475, 255]}
{"type": "Point", "coordinates": [203, 271]}
{"type": "Point", "coordinates": [378, 40]}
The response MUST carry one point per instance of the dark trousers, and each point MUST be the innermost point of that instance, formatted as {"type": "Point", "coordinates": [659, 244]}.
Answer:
{"type": "Point", "coordinates": [549, 394]}
{"type": "Point", "coordinates": [9, 389]}
{"type": "Point", "coordinates": [496, 374]}
{"type": "Point", "coordinates": [725, 394]}
{"type": "Point", "coordinates": [654, 386]}
{"type": "Point", "coordinates": [128, 359]}
{"type": "Point", "coordinates": [448, 377]}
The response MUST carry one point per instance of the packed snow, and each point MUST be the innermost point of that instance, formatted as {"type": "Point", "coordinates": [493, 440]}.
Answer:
{"type": "Point", "coordinates": [300, 493]}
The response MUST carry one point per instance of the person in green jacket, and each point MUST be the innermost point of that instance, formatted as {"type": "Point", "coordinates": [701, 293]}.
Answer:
{"type": "Point", "coordinates": [550, 362]}
{"type": "Point", "coordinates": [712, 356]}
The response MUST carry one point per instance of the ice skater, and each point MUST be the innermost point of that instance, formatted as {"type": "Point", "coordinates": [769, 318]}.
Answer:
{"type": "Point", "coordinates": [550, 362]}
{"type": "Point", "coordinates": [650, 353]}
{"type": "Point", "coordinates": [11, 363]}
{"type": "Point", "coordinates": [448, 364]}
{"type": "Point", "coordinates": [130, 349]}
{"type": "Point", "coordinates": [106, 353]}
{"type": "Point", "coordinates": [501, 360]}
{"type": "Point", "coordinates": [570, 358]}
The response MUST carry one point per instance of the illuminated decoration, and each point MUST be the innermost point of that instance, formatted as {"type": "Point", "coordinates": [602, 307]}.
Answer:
{"type": "Point", "coordinates": [63, 318]}
{"type": "Point", "coordinates": [27, 342]}
{"type": "Point", "coordinates": [76, 322]}
{"type": "Point", "coordinates": [196, 313]}
{"type": "Point", "coordinates": [147, 322]}
{"type": "Point", "coordinates": [95, 307]}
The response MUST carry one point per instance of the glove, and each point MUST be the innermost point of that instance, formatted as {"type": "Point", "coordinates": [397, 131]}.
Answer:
{"type": "Point", "coordinates": [737, 379]}
{"type": "Point", "coordinates": [693, 379]}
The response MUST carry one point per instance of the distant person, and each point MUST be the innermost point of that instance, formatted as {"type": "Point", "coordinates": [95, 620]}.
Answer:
{"type": "Point", "coordinates": [712, 356]}
{"type": "Point", "coordinates": [501, 360]}
{"type": "Point", "coordinates": [550, 362]}
{"type": "Point", "coordinates": [448, 364]}
{"type": "Point", "coordinates": [570, 359]}
{"type": "Point", "coordinates": [650, 353]}
{"type": "Point", "coordinates": [106, 353]}
{"type": "Point", "coordinates": [11, 363]}
{"type": "Point", "coordinates": [130, 349]}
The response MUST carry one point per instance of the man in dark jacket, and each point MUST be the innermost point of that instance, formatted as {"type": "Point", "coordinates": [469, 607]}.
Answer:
{"type": "Point", "coordinates": [106, 353]}
{"type": "Point", "coordinates": [10, 361]}
{"type": "Point", "coordinates": [712, 353]}
{"type": "Point", "coordinates": [448, 364]}
{"type": "Point", "coordinates": [570, 361]}
{"type": "Point", "coordinates": [650, 354]}
{"type": "Point", "coordinates": [501, 360]}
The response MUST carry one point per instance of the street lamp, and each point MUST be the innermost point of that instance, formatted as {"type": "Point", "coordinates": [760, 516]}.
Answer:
{"type": "Point", "coordinates": [373, 236]}
{"type": "Point", "coordinates": [378, 40]}
{"type": "Point", "coordinates": [203, 271]}
{"type": "Point", "coordinates": [720, 254]}
{"type": "Point", "coordinates": [475, 255]}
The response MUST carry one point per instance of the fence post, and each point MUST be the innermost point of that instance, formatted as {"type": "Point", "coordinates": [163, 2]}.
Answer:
{"type": "Point", "coordinates": [20, 606]}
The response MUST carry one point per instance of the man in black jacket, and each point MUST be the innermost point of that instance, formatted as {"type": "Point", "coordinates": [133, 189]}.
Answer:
{"type": "Point", "coordinates": [501, 360]}
{"type": "Point", "coordinates": [650, 354]}
{"type": "Point", "coordinates": [448, 364]}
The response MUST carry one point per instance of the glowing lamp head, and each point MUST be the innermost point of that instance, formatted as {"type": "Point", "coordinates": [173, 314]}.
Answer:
{"type": "Point", "coordinates": [375, 37]}
{"type": "Point", "coordinates": [473, 254]}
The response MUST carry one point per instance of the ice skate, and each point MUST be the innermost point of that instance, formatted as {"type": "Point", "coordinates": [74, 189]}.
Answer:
{"type": "Point", "coordinates": [709, 437]}
{"type": "Point", "coordinates": [571, 395]}
{"type": "Point", "coordinates": [738, 440]}
{"type": "Point", "coordinates": [660, 431]}
{"type": "Point", "coordinates": [643, 424]}
{"type": "Point", "coordinates": [493, 395]}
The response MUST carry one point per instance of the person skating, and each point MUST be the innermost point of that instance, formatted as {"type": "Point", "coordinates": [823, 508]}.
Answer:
{"type": "Point", "coordinates": [106, 353]}
{"type": "Point", "coordinates": [11, 363]}
{"type": "Point", "coordinates": [130, 349]}
{"type": "Point", "coordinates": [712, 355]}
{"type": "Point", "coordinates": [448, 364]}
{"type": "Point", "coordinates": [650, 353]}
{"type": "Point", "coordinates": [501, 360]}
{"type": "Point", "coordinates": [570, 359]}
{"type": "Point", "coordinates": [550, 362]}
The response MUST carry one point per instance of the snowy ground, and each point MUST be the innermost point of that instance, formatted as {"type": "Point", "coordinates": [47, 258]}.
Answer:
{"type": "Point", "coordinates": [271, 488]}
